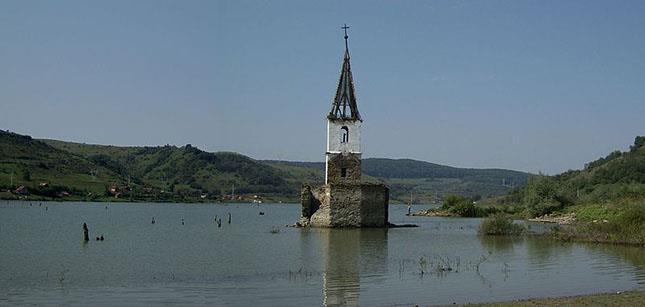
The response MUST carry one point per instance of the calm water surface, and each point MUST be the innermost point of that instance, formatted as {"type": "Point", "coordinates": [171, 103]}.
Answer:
{"type": "Point", "coordinates": [257, 260]}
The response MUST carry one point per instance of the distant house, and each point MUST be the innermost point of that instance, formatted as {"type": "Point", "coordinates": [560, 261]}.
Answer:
{"type": "Point", "coordinates": [64, 193]}
{"type": "Point", "coordinates": [22, 190]}
{"type": "Point", "coordinates": [43, 184]}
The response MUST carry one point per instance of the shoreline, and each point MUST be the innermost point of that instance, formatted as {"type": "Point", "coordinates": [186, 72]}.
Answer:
{"type": "Point", "coordinates": [627, 298]}
{"type": "Point", "coordinates": [567, 229]}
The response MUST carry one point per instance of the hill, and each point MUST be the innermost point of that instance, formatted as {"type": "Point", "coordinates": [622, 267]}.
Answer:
{"type": "Point", "coordinates": [603, 184]}
{"type": "Point", "coordinates": [171, 173]}
{"type": "Point", "coordinates": [98, 172]}
{"type": "Point", "coordinates": [184, 171]}
{"type": "Point", "coordinates": [47, 171]}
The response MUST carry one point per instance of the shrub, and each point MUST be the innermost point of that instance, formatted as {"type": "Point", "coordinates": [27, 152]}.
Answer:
{"type": "Point", "coordinates": [541, 209]}
{"type": "Point", "coordinates": [633, 215]}
{"type": "Point", "coordinates": [453, 200]}
{"type": "Point", "coordinates": [467, 209]}
{"type": "Point", "coordinates": [462, 206]}
{"type": "Point", "coordinates": [500, 224]}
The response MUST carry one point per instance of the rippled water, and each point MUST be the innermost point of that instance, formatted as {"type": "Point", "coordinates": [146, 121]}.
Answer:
{"type": "Point", "coordinates": [256, 260]}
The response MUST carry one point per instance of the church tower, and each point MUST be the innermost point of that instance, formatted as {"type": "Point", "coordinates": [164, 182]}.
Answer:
{"type": "Point", "coordinates": [344, 201]}
{"type": "Point", "coordinates": [343, 156]}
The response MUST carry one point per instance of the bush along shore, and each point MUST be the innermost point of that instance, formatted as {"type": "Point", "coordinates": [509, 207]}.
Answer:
{"type": "Point", "coordinates": [500, 224]}
{"type": "Point", "coordinates": [460, 206]}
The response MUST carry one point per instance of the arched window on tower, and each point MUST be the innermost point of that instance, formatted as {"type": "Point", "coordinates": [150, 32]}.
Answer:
{"type": "Point", "coordinates": [344, 134]}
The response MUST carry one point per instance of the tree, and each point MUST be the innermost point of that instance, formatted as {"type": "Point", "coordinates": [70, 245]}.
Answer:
{"type": "Point", "coordinates": [639, 141]}
{"type": "Point", "coordinates": [26, 175]}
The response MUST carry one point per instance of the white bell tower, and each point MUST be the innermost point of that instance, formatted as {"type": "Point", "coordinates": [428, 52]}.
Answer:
{"type": "Point", "coordinates": [342, 162]}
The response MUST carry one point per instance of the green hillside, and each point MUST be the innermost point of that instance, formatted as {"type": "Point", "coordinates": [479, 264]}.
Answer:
{"type": "Point", "coordinates": [170, 173]}
{"type": "Point", "coordinates": [185, 171]}
{"type": "Point", "coordinates": [55, 169]}
{"type": "Point", "coordinates": [47, 171]}
{"type": "Point", "coordinates": [617, 178]}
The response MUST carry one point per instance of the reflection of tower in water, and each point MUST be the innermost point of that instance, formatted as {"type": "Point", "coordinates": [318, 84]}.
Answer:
{"type": "Point", "coordinates": [349, 254]}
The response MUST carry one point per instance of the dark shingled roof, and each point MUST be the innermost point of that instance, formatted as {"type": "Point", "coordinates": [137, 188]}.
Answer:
{"type": "Point", "coordinates": [344, 104]}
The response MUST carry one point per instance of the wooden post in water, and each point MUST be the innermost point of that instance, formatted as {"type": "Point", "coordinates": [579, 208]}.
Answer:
{"type": "Point", "coordinates": [229, 217]}
{"type": "Point", "coordinates": [86, 233]}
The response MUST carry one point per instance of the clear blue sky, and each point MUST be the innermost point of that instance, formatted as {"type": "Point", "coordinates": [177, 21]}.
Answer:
{"type": "Point", "coordinates": [527, 85]}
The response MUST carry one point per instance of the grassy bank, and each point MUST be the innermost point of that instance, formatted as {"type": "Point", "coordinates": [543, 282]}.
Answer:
{"type": "Point", "coordinates": [618, 224]}
{"type": "Point", "coordinates": [631, 298]}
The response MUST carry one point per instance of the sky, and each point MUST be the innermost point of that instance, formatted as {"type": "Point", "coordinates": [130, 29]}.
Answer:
{"type": "Point", "coordinates": [538, 86]}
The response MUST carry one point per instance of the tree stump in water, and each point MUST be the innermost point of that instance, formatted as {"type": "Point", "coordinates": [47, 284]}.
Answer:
{"type": "Point", "coordinates": [86, 233]}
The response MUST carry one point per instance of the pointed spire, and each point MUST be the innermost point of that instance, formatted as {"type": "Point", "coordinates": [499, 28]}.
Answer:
{"type": "Point", "coordinates": [344, 104]}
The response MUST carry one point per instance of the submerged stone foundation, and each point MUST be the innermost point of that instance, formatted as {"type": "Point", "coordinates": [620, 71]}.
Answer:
{"type": "Point", "coordinates": [345, 205]}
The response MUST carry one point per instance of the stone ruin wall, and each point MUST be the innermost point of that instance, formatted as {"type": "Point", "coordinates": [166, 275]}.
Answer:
{"type": "Point", "coordinates": [345, 205]}
{"type": "Point", "coordinates": [374, 208]}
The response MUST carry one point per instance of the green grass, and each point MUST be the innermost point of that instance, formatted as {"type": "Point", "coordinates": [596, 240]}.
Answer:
{"type": "Point", "coordinates": [591, 212]}
{"type": "Point", "coordinates": [624, 224]}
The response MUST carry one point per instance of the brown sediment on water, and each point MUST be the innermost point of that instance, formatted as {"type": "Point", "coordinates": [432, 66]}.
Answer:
{"type": "Point", "coordinates": [390, 225]}
{"type": "Point", "coordinates": [434, 212]}
{"type": "Point", "coordinates": [629, 298]}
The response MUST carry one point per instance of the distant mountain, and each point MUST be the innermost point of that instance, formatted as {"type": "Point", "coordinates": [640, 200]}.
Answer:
{"type": "Point", "coordinates": [422, 181]}
{"type": "Point", "coordinates": [170, 173]}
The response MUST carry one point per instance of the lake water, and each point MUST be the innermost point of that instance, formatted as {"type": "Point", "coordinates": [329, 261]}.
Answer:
{"type": "Point", "coordinates": [257, 260]}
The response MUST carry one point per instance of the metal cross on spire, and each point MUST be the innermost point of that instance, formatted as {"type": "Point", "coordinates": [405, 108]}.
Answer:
{"type": "Point", "coordinates": [345, 27]}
